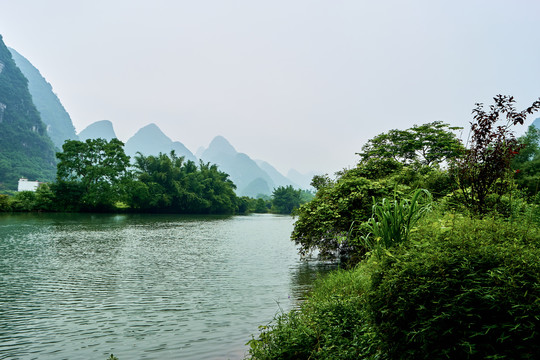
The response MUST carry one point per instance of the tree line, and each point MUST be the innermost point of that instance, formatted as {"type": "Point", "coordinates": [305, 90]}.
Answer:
{"type": "Point", "coordinates": [97, 175]}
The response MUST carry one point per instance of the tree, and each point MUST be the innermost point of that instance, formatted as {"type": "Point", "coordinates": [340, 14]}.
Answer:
{"type": "Point", "coordinates": [526, 164]}
{"type": "Point", "coordinates": [285, 199]}
{"type": "Point", "coordinates": [168, 183]}
{"type": "Point", "coordinates": [98, 166]}
{"type": "Point", "coordinates": [486, 163]}
{"type": "Point", "coordinates": [330, 222]}
{"type": "Point", "coordinates": [427, 144]}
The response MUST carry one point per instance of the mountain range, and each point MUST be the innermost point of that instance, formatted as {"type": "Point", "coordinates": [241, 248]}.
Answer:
{"type": "Point", "coordinates": [252, 178]}
{"type": "Point", "coordinates": [34, 125]}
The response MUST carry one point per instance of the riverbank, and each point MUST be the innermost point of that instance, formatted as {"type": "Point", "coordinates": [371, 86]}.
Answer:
{"type": "Point", "coordinates": [460, 288]}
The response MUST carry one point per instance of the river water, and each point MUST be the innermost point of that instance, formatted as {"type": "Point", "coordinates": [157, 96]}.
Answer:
{"type": "Point", "coordinates": [83, 286]}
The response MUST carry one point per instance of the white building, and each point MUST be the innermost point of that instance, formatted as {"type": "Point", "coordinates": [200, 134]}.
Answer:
{"type": "Point", "coordinates": [25, 185]}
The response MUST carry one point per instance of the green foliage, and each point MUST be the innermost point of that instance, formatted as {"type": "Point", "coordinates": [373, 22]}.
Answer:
{"type": "Point", "coordinates": [25, 148]}
{"type": "Point", "coordinates": [68, 195]}
{"type": "Point", "coordinates": [167, 183]}
{"type": "Point", "coordinates": [324, 223]}
{"type": "Point", "coordinates": [4, 203]}
{"type": "Point", "coordinates": [99, 166]}
{"type": "Point", "coordinates": [330, 324]}
{"type": "Point", "coordinates": [427, 145]}
{"type": "Point", "coordinates": [285, 199]}
{"type": "Point", "coordinates": [485, 166]}
{"type": "Point", "coordinates": [23, 201]}
{"type": "Point", "coordinates": [262, 206]}
{"type": "Point", "coordinates": [526, 164]}
{"type": "Point", "coordinates": [459, 289]}
{"type": "Point", "coordinates": [464, 289]}
{"type": "Point", "coordinates": [393, 220]}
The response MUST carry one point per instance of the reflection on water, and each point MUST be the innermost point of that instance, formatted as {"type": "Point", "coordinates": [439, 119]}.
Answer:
{"type": "Point", "coordinates": [82, 286]}
{"type": "Point", "coordinates": [304, 274]}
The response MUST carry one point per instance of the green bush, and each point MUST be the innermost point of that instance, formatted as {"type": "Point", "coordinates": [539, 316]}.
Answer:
{"type": "Point", "coordinates": [329, 325]}
{"type": "Point", "coordinates": [459, 289]}
{"type": "Point", "coordinates": [24, 201]}
{"type": "Point", "coordinates": [465, 289]}
{"type": "Point", "coordinates": [393, 220]}
{"type": "Point", "coordinates": [4, 203]}
{"type": "Point", "coordinates": [324, 222]}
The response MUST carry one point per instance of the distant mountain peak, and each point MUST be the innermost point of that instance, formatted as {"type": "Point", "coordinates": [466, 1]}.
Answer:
{"type": "Point", "coordinates": [219, 143]}
{"type": "Point", "coordinates": [100, 129]}
{"type": "Point", "coordinates": [151, 140]}
{"type": "Point", "coordinates": [154, 132]}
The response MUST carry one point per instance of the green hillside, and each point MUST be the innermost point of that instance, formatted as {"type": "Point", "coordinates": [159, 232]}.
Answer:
{"type": "Point", "coordinates": [25, 148]}
{"type": "Point", "coordinates": [53, 114]}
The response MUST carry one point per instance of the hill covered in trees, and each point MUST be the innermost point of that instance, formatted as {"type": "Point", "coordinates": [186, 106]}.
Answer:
{"type": "Point", "coordinates": [53, 114]}
{"type": "Point", "coordinates": [25, 148]}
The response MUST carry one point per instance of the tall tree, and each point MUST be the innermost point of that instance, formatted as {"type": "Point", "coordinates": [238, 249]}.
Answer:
{"type": "Point", "coordinates": [286, 199]}
{"type": "Point", "coordinates": [427, 144]}
{"type": "Point", "coordinates": [526, 164]}
{"type": "Point", "coordinates": [98, 166]}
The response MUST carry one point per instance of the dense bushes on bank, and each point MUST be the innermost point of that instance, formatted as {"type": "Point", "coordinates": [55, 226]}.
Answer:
{"type": "Point", "coordinates": [460, 289]}
{"type": "Point", "coordinates": [463, 283]}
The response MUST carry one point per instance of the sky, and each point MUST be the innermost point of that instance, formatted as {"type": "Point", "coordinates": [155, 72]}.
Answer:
{"type": "Point", "coordinates": [300, 84]}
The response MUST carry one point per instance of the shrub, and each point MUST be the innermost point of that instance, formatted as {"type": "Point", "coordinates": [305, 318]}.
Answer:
{"type": "Point", "coordinates": [466, 289]}
{"type": "Point", "coordinates": [325, 221]}
{"type": "Point", "coordinates": [24, 201]}
{"type": "Point", "coordinates": [459, 289]}
{"type": "Point", "coordinates": [330, 325]}
{"type": "Point", "coordinates": [4, 203]}
{"type": "Point", "coordinates": [393, 220]}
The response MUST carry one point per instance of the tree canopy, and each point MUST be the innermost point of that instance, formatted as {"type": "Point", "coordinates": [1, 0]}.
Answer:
{"type": "Point", "coordinates": [427, 144]}
{"type": "Point", "coordinates": [168, 183]}
{"type": "Point", "coordinates": [97, 166]}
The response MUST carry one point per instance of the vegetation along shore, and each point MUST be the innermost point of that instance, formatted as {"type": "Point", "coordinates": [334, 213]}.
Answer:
{"type": "Point", "coordinates": [439, 243]}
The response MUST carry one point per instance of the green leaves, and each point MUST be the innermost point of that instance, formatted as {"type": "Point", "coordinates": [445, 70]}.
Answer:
{"type": "Point", "coordinates": [393, 220]}
{"type": "Point", "coordinates": [427, 144]}
{"type": "Point", "coordinates": [99, 166]}
{"type": "Point", "coordinates": [167, 183]}
{"type": "Point", "coordinates": [486, 163]}
{"type": "Point", "coordinates": [286, 199]}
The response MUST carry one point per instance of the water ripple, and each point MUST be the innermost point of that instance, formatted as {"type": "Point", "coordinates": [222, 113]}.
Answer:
{"type": "Point", "coordinates": [84, 286]}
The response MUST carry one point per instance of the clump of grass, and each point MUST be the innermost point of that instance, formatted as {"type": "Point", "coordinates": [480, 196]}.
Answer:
{"type": "Point", "coordinates": [329, 325]}
{"type": "Point", "coordinates": [393, 220]}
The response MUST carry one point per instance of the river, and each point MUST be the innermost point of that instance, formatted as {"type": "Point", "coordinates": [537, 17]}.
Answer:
{"type": "Point", "coordinates": [83, 286]}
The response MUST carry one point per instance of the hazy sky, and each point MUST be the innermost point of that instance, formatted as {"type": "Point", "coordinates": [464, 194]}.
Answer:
{"type": "Point", "coordinates": [299, 83]}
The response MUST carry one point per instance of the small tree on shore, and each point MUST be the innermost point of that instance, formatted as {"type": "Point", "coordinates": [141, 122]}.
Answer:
{"type": "Point", "coordinates": [486, 162]}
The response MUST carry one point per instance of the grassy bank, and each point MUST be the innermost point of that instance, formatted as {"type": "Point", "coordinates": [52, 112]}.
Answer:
{"type": "Point", "coordinates": [460, 288]}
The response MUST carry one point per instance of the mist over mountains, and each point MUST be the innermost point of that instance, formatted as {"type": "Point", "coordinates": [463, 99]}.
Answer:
{"type": "Point", "coordinates": [150, 140]}
{"type": "Point", "coordinates": [252, 178]}
{"type": "Point", "coordinates": [53, 113]}
{"type": "Point", "coordinates": [33, 128]}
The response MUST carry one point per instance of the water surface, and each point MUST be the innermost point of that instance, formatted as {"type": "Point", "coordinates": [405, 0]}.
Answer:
{"type": "Point", "coordinates": [82, 286]}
